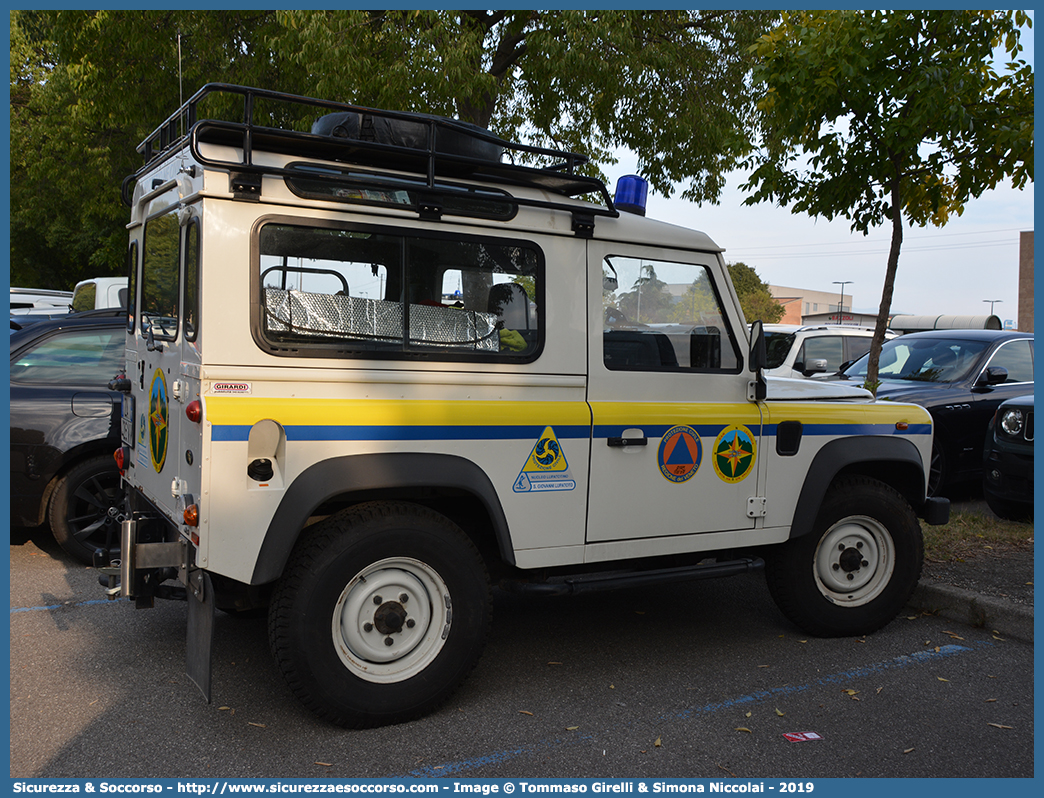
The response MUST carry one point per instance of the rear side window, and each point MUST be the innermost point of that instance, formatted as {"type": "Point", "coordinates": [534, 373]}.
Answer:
{"type": "Point", "coordinates": [191, 299]}
{"type": "Point", "coordinates": [335, 292]}
{"type": "Point", "coordinates": [1017, 358]}
{"type": "Point", "coordinates": [132, 283]}
{"type": "Point", "coordinates": [84, 357]}
{"type": "Point", "coordinates": [159, 277]}
{"type": "Point", "coordinates": [858, 345]}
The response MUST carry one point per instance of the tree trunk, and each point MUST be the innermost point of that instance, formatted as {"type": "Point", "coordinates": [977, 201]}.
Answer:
{"type": "Point", "coordinates": [886, 294]}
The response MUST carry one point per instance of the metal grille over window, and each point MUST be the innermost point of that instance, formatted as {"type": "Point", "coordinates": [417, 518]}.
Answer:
{"type": "Point", "coordinates": [332, 292]}
{"type": "Point", "coordinates": [350, 317]}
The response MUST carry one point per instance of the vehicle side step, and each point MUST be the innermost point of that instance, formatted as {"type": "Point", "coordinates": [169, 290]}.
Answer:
{"type": "Point", "coordinates": [574, 585]}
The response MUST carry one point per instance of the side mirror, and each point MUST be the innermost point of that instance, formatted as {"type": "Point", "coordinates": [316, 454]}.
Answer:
{"type": "Point", "coordinates": [994, 375]}
{"type": "Point", "coordinates": [758, 389]}
{"type": "Point", "coordinates": [818, 366]}
{"type": "Point", "coordinates": [758, 350]}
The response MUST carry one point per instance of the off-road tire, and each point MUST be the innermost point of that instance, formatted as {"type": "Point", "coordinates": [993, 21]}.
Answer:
{"type": "Point", "coordinates": [857, 567]}
{"type": "Point", "coordinates": [85, 509]}
{"type": "Point", "coordinates": [382, 611]}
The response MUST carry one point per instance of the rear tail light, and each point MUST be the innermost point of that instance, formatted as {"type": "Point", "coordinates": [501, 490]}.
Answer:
{"type": "Point", "coordinates": [122, 458]}
{"type": "Point", "coordinates": [194, 411]}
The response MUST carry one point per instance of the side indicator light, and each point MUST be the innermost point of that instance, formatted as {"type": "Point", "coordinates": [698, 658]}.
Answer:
{"type": "Point", "coordinates": [194, 411]}
{"type": "Point", "coordinates": [191, 515]}
{"type": "Point", "coordinates": [902, 426]}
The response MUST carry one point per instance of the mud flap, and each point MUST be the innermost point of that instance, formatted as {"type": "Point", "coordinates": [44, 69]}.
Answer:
{"type": "Point", "coordinates": [200, 632]}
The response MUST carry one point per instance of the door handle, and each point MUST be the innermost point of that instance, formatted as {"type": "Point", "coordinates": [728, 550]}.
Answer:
{"type": "Point", "coordinates": [627, 441]}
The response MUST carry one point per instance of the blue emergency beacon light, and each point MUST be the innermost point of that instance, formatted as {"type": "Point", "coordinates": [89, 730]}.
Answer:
{"type": "Point", "coordinates": [631, 193]}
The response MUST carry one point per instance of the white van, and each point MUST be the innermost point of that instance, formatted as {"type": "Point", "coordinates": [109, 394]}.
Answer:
{"type": "Point", "coordinates": [100, 292]}
{"type": "Point", "coordinates": [40, 302]}
{"type": "Point", "coordinates": [796, 350]}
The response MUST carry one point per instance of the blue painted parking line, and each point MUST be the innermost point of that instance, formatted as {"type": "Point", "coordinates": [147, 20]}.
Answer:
{"type": "Point", "coordinates": [557, 743]}
{"type": "Point", "coordinates": [65, 605]}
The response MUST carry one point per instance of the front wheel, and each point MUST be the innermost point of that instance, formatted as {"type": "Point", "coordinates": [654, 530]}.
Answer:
{"type": "Point", "coordinates": [856, 569]}
{"type": "Point", "coordinates": [381, 613]}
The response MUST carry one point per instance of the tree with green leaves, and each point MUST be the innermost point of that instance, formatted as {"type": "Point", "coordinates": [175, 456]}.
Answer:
{"type": "Point", "coordinates": [670, 86]}
{"type": "Point", "coordinates": [755, 298]}
{"type": "Point", "coordinates": [649, 301]}
{"type": "Point", "coordinates": [87, 86]}
{"type": "Point", "coordinates": [877, 115]}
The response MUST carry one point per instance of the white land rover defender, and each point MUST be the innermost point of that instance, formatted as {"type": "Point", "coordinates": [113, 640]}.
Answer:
{"type": "Point", "coordinates": [378, 363]}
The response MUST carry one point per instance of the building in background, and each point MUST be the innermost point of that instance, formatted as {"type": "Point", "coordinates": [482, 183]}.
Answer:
{"type": "Point", "coordinates": [1025, 313]}
{"type": "Point", "coordinates": [803, 306]}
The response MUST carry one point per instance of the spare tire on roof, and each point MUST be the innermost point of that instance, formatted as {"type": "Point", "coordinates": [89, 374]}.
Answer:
{"type": "Point", "coordinates": [410, 133]}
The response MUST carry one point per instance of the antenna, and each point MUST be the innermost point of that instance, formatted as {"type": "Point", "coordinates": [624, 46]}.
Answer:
{"type": "Point", "coordinates": [181, 89]}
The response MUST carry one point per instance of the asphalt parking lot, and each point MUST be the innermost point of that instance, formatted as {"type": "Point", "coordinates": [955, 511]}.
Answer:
{"type": "Point", "coordinates": [695, 680]}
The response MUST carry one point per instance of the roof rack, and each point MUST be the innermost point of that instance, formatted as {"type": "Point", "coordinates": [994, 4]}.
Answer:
{"type": "Point", "coordinates": [185, 127]}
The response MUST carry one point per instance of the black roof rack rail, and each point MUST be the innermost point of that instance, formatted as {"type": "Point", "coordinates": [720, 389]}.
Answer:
{"type": "Point", "coordinates": [185, 126]}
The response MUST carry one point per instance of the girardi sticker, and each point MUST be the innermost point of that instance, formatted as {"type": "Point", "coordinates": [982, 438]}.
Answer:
{"type": "Point", "coordinates": [236, 388]}
{"type": "Point", "coordinates": [158, 420]}
{"type": "Point", "coordinates": [546, 469]}
{"type": "Point", "coordinates": [680, 454]}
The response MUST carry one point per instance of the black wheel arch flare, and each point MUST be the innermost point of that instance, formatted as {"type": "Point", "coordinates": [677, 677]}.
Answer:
{"type": "Point", "coordinates": [894, 461]}
{"type": "Point", "coordinates": [358, 474]}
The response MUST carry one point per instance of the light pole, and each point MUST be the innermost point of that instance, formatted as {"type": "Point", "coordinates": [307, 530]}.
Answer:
{"type": "Point", "coordinates": [841, 304]}
{"type": "Point", "coordinates": [992, 303]}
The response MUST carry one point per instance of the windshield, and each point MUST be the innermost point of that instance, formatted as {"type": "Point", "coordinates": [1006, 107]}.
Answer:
{"type": "Point", "coordinates": [777, 344]}
{"type": "Point", "coordinates": [923, 359]}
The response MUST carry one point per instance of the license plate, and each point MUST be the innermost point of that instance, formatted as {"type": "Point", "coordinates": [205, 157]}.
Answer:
{"type": "Point", "coordinates": [127, 420]}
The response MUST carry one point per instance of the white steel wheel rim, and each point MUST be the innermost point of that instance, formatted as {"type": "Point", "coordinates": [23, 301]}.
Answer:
{"type": "Point", "coordinates": [854, 561]}
{"type": "Point", "coordinates": [391, 620]}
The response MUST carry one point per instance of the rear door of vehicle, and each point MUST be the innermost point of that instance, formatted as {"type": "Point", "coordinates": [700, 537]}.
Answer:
{"type": "Point", "coordinates": [163, 356]}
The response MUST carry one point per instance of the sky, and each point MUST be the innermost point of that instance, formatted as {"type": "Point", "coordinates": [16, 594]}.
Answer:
{"type": "Point", "coordinates": [947, 270]}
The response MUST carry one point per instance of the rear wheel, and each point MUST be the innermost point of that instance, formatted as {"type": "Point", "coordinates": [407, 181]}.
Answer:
{"type": "Point", "coordinates": [86, 509]}
{"type": "Point", "coordinates": [858, 566]}
{"type": "Point", "coordinates": [381, 613]}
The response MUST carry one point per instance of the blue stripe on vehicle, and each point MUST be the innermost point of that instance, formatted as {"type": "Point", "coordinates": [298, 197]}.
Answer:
{"type": "Point", "coordinates": [239, 433]}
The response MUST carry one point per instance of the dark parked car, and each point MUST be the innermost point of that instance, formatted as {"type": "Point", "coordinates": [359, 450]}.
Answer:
{"type": "Point", "coordinates": [960, 377]}
{"type": "Point", "coordinates": [65, 426]}
{"type": "Point", "coordinates": [1007, 463]}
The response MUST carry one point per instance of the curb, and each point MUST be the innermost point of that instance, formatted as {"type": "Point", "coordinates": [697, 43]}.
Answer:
{"type": "Point", "coordinates": [973, 609]}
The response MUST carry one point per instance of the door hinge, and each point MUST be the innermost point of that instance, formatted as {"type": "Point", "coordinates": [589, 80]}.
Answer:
{"type": "Point", "coordinates": [756, 507]}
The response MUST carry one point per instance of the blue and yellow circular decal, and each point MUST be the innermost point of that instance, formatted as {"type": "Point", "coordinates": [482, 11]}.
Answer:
{"type": "Point", "coordinates": [680, 454]}
{"type": "Point", "coordinates": [158, 417]}
{"type": "Point", "coordinates": [734, 453]}
{"type": "Point", "coordinates": [547, 453]}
